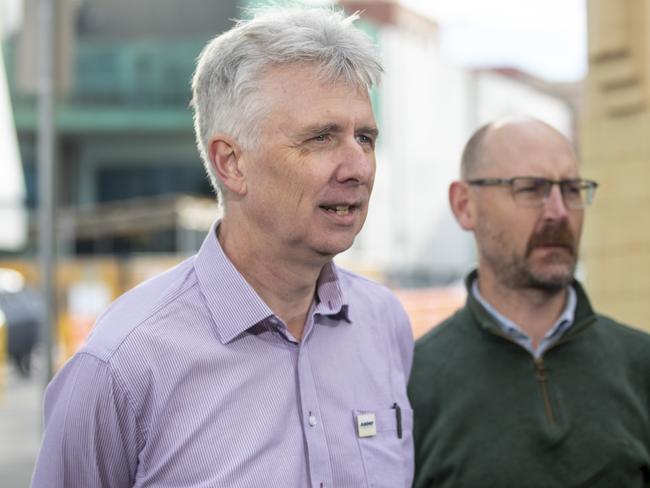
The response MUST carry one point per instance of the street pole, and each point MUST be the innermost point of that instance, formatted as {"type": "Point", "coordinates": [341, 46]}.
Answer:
{"type": "Point", "coordinates": [46, 152]}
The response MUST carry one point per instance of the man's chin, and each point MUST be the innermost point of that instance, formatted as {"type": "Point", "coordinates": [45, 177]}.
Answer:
{"type": "Point", "coordinates": [330, 247]}
{"type": "Point", "coordinates": [552, 279]}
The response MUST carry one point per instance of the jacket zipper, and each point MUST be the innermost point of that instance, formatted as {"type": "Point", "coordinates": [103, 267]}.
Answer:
{"type": "Point", "coordinates": [540, 375]}
{"type": "Point", "coordinates": [540, 369]}
{"type": "Point", "coordinates": [542, 379]}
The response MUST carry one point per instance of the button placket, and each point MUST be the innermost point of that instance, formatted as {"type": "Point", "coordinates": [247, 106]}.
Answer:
{"type": "Point", "coordinates": [312, 420]}
{"type": "Point", "coordinates": [317, 451]}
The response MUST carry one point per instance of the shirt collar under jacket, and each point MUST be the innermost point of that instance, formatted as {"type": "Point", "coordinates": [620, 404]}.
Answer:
{"type": "Point", "coordinates": [514, 331]}
{"type": "Point", "coordinates": [242, 308]}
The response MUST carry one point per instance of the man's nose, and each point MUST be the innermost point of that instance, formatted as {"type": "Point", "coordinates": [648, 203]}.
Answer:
{"type": "Point", "coordinates": [554, 206]}
{"type": "Point", "coordinates": [357, 163]}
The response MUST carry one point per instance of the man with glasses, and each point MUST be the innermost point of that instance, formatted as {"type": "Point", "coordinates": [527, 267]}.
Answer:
{"type": "Point", "coordinates": [527, 385]}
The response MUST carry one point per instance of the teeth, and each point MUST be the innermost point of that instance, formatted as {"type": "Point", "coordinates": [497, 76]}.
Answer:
{"type": "Point", "coordinates": [342, 209]}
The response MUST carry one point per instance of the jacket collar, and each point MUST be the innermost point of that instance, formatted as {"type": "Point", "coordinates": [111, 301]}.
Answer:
{"type": "Point", "coordinates": [584, 313]}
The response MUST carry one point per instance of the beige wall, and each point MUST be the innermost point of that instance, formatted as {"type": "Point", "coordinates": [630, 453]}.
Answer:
{"type": "Point", "coordinates": [615, 148]}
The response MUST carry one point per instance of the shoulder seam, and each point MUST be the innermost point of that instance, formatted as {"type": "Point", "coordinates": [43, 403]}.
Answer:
{"type": "Point", "coordinates": [166, 301]}
{"type": "Point", "coordinates": [122, 386]}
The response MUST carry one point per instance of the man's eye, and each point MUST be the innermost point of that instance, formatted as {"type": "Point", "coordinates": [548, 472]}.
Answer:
{"type": "Point", "coordinates": [528, 189]}
{"type": "Point", "coordinates": [321, 138]}
{"type": "Point", "coordinates": [573, 188]}
{"type": "Point", "coordinates": [364, 139]}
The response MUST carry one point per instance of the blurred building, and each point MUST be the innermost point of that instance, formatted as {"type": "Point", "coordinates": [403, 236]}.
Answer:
{"type": "Point", "coordinates": [616, 151]}
{"type": "Point", "coordinates": [123, 122]}
{"type": "Point", "coordinates": [12, 184]}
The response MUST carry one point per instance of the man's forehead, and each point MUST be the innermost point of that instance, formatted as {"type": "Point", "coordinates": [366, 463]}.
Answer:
{"type": "Point", "coordinates": [298, 95]}
{"type": "Point", "coordinates": [529, 146]}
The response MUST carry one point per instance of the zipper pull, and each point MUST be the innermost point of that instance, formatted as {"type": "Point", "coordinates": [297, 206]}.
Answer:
{"type": "Point", "coordinates": [540, 370]}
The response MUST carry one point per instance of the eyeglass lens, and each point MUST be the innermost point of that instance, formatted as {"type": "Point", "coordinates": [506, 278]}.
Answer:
{"type": "Point", "coordinates": [535, 191]}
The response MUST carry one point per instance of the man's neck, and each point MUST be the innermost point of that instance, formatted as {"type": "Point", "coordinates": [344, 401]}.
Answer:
{"type": "Point", "coordinates": [286, 285]}
{"type": "Point", "coordinates": [535, 311]}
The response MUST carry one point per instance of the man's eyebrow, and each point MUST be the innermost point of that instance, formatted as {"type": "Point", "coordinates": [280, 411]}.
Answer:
{"type": "Point", "coordinates": [370, 130]}
{"type": "Point", "coordinates": [319, 129]}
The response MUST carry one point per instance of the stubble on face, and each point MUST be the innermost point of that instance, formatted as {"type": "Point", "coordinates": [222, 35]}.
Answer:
{"type": "Point", "coordinates": [534, 249]}
{"type": "Point", "coordinates": [550, 272]}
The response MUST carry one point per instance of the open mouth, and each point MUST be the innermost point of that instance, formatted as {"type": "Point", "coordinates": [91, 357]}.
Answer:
{"type": "Point", "coordinates": [341, 210]}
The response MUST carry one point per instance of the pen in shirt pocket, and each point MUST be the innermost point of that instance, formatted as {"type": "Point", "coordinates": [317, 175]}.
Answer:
{"type": "Point", "coordinates": [398, 419]}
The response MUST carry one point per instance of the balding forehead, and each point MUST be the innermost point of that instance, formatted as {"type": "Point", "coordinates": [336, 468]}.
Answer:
{"type": "Point", "coordinates": [524, 136]}
{"type": "Point", "coordinates": [528, 146]}
{"type": "Point", "coordinates": [509, 141]}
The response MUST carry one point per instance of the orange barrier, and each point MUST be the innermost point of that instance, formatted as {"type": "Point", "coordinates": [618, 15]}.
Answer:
{"type": "Point", "coordinates": [427, 307]}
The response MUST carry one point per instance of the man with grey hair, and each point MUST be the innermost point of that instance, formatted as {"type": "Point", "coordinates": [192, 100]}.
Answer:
{"type": "Point", "coordinates": [527, 386]}
{"type": "Point", "coordinates": [256, 362]}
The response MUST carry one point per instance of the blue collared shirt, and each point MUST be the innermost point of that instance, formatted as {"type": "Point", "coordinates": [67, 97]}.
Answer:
{"type": "Point", "coordinates": [190, 380]}
{"type": "Point", "coordinates": [517, 334]}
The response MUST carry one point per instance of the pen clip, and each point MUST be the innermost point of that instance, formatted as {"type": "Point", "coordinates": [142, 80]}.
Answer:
{"type": "Point", "coordinates": [398, 419]}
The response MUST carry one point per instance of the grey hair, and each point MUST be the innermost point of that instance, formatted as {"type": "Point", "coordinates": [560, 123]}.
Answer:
{"type": "Point", "coordinates": [231, 67]}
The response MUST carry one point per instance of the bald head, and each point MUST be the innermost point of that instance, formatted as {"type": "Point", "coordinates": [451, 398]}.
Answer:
{"type": "Point", "coordinates": [508, 139]}
{"type": "Point", "coordinates": [525, 239]}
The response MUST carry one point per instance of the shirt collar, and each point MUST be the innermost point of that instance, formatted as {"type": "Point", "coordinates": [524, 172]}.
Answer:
{"type": "Point", "coordinates": [511, 328]}
{"type": "Point", "coordinates": [329, 292]}
{"type": "Point", "coordinates": [234, 304]}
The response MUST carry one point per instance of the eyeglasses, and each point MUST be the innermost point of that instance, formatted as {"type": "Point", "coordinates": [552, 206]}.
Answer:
{"type": "Point", "coordinates": [530, 191]}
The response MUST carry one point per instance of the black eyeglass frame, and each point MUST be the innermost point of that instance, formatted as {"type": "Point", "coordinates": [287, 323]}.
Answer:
{"type": "Point", "coordinates": [565, 186]}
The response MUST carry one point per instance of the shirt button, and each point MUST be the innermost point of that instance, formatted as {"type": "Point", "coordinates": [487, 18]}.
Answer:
{"type": "Point", "coordinates": [312, 421]}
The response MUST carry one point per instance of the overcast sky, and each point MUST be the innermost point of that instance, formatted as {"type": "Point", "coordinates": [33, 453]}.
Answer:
{"type": "Point", "coordinates": [544, 37]}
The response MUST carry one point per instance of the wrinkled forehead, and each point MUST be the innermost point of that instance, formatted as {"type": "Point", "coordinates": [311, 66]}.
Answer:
{"type": "Point", "coordinates": [529, 149]}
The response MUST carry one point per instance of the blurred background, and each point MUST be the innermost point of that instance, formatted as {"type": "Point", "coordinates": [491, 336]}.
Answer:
{"type": "Point", "coordinates": [131, 198]}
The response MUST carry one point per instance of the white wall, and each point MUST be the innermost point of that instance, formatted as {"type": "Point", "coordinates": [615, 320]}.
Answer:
{"type": "Point", "coordinates": [498, 95]}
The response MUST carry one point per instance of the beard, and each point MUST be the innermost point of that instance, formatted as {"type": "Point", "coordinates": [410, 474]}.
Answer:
{"type": "Point", "coordinates": [551, 272]}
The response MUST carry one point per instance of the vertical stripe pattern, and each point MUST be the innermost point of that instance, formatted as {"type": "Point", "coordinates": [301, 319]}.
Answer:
{"type": "Point", "coordinates": [190, 380]}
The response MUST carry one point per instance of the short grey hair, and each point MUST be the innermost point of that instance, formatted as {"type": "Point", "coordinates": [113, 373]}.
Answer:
{"type": "Point", "coordinates": [231, 66]}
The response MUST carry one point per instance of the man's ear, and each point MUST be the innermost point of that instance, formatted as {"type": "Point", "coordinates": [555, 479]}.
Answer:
{"type": "Point", "coordinates": [225, 157]}
{"type": "Point", "coordinates": [462, 205]}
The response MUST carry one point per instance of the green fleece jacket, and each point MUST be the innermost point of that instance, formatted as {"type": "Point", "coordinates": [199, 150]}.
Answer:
{"type": "Point", "coordinates": [487, 414]}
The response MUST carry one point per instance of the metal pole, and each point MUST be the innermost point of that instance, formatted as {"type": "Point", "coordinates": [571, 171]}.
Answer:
{"type": "Point", "coordinates": [46, 173]}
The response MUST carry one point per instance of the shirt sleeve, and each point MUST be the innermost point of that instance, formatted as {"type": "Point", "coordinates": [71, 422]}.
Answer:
{"type": "Point", "coordinates": [91, 435]}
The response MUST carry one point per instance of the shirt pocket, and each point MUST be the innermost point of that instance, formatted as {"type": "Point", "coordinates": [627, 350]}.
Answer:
{"type": "Point", "coordinates": [387, 458]}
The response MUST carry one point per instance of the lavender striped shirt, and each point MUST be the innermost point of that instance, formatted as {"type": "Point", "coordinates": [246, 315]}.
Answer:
{"type": "Point", "coordinates": [190, 380]}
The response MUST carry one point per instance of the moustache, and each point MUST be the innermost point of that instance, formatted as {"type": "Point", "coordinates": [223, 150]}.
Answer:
{"type": "Point", "coordinates": [556, 235]}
